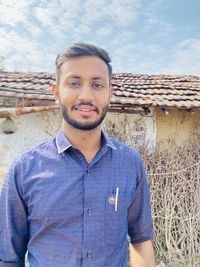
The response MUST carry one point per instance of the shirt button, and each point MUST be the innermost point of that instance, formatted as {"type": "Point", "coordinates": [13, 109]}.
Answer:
{"type": "Point", "coordinates": [88, 172]}
{"type": "Point", "coordinates": [89, 254]}
{"type": "Point", "coordinates": [89, 211]}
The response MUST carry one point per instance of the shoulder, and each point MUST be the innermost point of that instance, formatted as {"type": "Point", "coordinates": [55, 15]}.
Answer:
{"type": "Point", "coordinates": [34, 154]}
{"type": "Point", "coordinates": [129, 157]}
{"type": "Point", "coordinates": [28, 163]}
{"type": "Point", "coordinates": [126, 150]}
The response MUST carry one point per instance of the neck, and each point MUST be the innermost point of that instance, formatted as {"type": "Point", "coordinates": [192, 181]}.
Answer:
{"type": "Point", "coordinates": [88, 142]}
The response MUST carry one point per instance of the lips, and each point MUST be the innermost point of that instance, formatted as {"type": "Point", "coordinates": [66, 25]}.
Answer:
{"type": "Point", "coordinates": [85, 108]}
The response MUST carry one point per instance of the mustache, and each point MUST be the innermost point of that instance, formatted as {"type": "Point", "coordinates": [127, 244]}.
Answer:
{"type": "Point", "coordinates": [86, 104]}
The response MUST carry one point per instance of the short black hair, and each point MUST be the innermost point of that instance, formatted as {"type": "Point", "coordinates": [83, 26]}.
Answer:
{"type": "Point", "coordinates": [82, 49]}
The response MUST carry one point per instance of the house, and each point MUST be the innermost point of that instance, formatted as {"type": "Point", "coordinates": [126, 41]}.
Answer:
{"type": "Point", "coordinates": [144, 108]}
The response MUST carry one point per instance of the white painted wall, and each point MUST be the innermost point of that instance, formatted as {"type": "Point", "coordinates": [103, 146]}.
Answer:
{"type": "Point", "coordinates": [32, 129]}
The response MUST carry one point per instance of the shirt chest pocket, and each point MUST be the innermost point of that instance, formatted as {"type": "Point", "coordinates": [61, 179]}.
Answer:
{"type": "Point", "coordinates": [116, 217]}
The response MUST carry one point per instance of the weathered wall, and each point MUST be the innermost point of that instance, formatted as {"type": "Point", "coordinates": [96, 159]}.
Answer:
{"type": "Point", "coordinates": [177, 125]}
{"type": "Point", "coordinates": [133, 129]}
{"type": "Point", "coordinates": [32, 129]}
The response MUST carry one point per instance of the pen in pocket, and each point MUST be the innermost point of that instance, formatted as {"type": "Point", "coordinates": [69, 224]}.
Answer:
{"type": "Point", "coordinates": [116, 198]}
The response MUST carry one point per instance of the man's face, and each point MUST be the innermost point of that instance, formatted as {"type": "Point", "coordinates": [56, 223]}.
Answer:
{"type": "Point", "coordinates": [83, 92]}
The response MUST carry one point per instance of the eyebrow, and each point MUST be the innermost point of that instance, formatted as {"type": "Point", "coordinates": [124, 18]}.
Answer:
{"type": "Point", "coordinates": [98, 78]}
{"type": "Point", "coordinates": [73, 76]}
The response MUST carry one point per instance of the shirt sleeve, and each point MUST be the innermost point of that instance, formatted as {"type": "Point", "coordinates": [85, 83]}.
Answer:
{"type": "Point", "coordinates": [140, 227]}
{"type": "Point", "coordinates": [13, 220]}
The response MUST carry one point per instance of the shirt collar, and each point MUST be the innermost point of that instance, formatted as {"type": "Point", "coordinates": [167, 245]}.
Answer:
{"type": "Point", "coordinates": [108, 140]}
{"type": "Point", "coordinates": [63, 143]}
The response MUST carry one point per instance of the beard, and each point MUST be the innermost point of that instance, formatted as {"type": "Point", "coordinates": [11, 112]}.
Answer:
{"type": "Point", "coordinates": [85, 126]}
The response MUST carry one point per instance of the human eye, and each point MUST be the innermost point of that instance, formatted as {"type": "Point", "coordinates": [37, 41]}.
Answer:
{"type": "Point", "coordinates": [97, 85]}
{"type": "Point", "coordinates": [73, 84]}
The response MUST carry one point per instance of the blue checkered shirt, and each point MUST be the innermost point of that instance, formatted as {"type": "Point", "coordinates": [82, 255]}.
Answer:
{"type": "Point", "coordinates": [67, 212]}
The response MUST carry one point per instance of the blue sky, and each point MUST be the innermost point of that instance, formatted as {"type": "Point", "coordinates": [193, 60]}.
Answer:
{"type": "Point", "coordinates": [146, 37]}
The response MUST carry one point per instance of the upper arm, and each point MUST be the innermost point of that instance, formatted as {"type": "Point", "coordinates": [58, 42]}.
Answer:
{"type": "Point", "coordinates": [13, 218]}
{"type": "Point", "coordinates": [140, 226]}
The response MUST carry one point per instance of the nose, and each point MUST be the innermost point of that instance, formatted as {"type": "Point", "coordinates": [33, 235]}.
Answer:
{"type": "Point", "coordinates": [86, 94]}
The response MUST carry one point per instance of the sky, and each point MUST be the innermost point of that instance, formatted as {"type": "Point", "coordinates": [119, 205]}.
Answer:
{"type": "Point", "coordinates": [141, 36]}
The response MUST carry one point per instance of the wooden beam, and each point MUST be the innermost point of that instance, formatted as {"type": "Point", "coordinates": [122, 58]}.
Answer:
{"type": "Point", "coordinates": [12, 112]}
{"type": "Point", "coordinates": [27, 95]}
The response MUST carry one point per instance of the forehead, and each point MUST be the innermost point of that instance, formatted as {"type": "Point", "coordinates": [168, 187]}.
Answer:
{"type": "Point", "coordinates": [84, 67]}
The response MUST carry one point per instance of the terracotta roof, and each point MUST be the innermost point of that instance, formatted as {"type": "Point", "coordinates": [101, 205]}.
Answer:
{"type": "Point", "coordinates": [130, 90]}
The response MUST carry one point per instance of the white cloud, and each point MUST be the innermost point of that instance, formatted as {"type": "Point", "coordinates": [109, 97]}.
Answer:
{"type": "Point", "coordinates": [31, 35]}
{"type": "Point", "coordinates": [60, 19]}
{"type": "Point", "coordinates": [93, 11]}
{"type": "Point", "coordinates": [182, 59]}
{"type": "Point", "coordinates": [185, 57]}
{"type": "Point", "coordinates": [121, 12]}
{"type": "Point", "coordinates": [155, 19]}
{"type": "Point", "coordinates": [22, 53]}
{"type": "Point", "coordinates": [124, 12]}
{"type": "Point", "coordinates": [13, 11]}
{"type": "Point", "coordinates": [104, 31]}
{"type": "Point", "coordinates": [158, 26]}
{"type": "Point", "coordinates": [81, 30]}
{"type": "Point", "coordinates": [6, 45]}
{"type": "Point", "coordinates": [132, 55]}
{"type": "Point", "coordinates": [70, 9]}
{"type": "Point", "coordinates": [47, 15]}
{"type": "Point", "coordinates": [34, 31]}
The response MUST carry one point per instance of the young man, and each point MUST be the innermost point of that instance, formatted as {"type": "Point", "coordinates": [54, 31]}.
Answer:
{"type": "Point", "coordinates": [73, 200]}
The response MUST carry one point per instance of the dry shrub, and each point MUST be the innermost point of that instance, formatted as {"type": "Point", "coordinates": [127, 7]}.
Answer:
{"type": "Point", "coordinates": [174, 177]}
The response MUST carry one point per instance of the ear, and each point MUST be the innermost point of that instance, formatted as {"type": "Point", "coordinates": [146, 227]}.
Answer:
{"type": "Point", "coordinates": [110, 93]}
{"type": "Point", "coordinates": [55, 91]}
